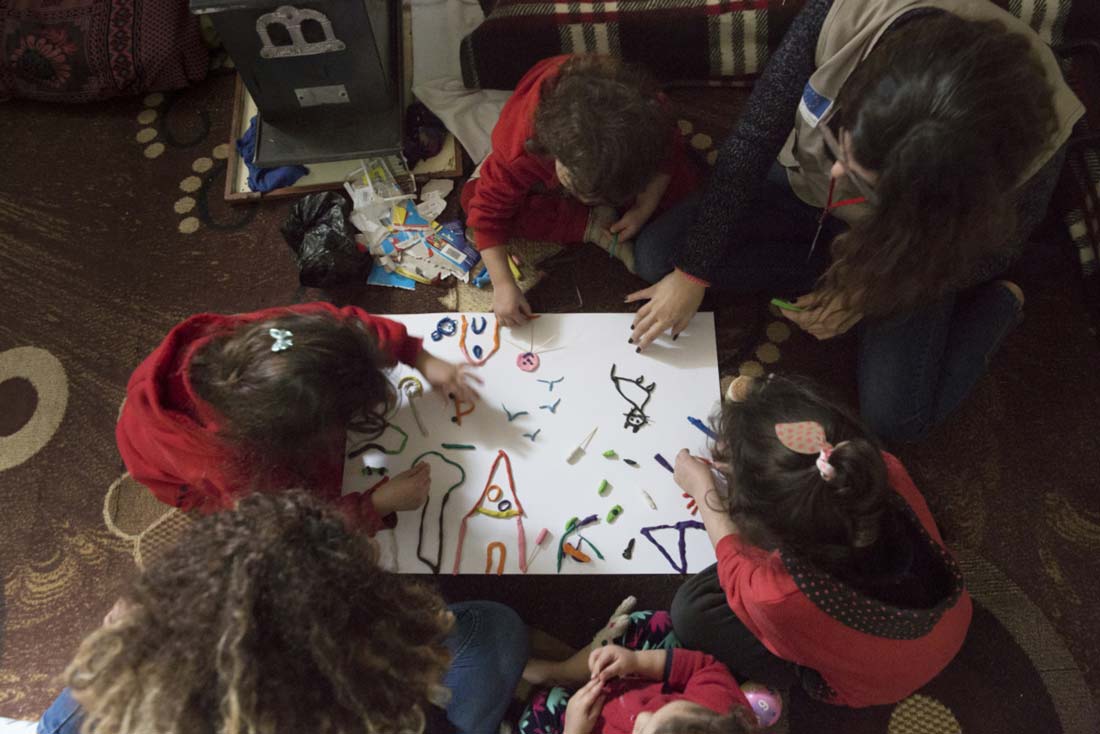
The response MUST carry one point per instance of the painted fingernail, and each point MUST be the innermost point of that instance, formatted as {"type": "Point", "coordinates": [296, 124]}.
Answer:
{"type": "Point", "coordinates": [675, 337]}
{"type": "Point", "coordinates": [638, 350]}
{"type": "Point", "coordinates": [630, 340]}
{"type": "Point", "coordinates": [451, 395]}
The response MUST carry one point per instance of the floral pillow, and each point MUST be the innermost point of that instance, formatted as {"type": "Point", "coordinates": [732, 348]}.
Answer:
{"type": "Point", "coordinates": [85, 50]}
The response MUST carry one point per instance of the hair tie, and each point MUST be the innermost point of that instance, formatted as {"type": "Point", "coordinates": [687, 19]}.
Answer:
{"type": "Point", "coordinates": [283, 339]}
{"type": "Point", "coordinates": [808, 438]}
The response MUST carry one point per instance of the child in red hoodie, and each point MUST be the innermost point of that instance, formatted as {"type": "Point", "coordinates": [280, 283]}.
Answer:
{"type": "Point", "coordinates": [831, 572]}
{"type": "Point", "coordinates": [580, 137]}
{"type": "Point", "coordinates": [646, 685]}
{"type": "Point", "coordinates": [227, 405]}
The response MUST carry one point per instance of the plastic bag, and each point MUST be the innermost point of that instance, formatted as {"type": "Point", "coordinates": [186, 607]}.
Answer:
{"type": "Point", "coordinates": [318, 232]}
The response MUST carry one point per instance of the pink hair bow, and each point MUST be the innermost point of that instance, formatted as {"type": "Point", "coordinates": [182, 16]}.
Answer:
{"type": "Point", "coordinates": [808, 437]}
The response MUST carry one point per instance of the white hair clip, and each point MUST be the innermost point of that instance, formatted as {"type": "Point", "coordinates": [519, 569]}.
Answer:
{"type": "Point", "coordinates": [283, 339]}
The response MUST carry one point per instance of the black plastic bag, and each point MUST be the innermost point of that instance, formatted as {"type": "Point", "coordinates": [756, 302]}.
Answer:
{"type": "Point", "coordinates": [323, 241]}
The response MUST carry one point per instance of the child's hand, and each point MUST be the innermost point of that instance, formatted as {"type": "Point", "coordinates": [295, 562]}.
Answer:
{"type": "Point", "coordinates": [693, 475]}
{"type": "Point", "coordinates": [118, 612]}
{"type": "Point", "coordinates": [584, 708]}
{"type": "Point", "coordinates": [612, 661]}
{"type": "Point", "coordinates": [405, 491]}
{"type": "Point", "coordinates": [630, 224]}
{"type": "Point", "coordinates": [510, 305]}
{"type": "Point", "coordinates": [449, 379]}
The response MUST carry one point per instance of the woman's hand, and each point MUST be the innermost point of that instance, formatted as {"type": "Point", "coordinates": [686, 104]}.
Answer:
{"type": "Point", "coordinates": [612, 661]}
{"type": "Point", "coordinates": [673, 301]}
{"type": "Point", "coordinates": [405, 491]}
{"type": "Point", "coordinates": [584, 708]}
{"type": "Point", "coordinates": [824, 316]}
{"type": "Point", "coordinates": [693, 475]}
{"type": "Point", "coordinates": [448, 378]}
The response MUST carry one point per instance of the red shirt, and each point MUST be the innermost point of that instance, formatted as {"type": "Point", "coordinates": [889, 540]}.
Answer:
{"type": "Point", "coordinates": [510, 171]}
{"type": "Point", "coordinates": [167, 434]}
{"type": "Point", "coordinates": [691, 676]}
{"type": "Point", "coordinates": [858, 668]}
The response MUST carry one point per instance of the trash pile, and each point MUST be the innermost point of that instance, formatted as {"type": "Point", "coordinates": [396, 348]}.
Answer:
{"type": "Point", "coordinates": [404, 239]}
{"type": "Point", "coordinates": [398, 244]}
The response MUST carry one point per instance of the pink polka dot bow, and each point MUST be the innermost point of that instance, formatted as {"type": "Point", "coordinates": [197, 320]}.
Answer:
{"type": "Point", "coordinates": [808, 437]}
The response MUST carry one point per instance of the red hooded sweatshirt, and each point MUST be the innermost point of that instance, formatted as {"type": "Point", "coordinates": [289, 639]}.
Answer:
{"type": "Point", "coordinates": [168, 435]}
{"type": "Point", "coordinates": [855, 649]}
{"type": "Point", "coordinates": [689, 675]}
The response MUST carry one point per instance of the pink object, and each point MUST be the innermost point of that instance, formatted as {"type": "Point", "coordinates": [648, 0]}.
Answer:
{"type": "Point", "coordinates": [808, 437]}
{"type": "Point", "coordinates": [528, 361]}
{"type": "Point", "coordinates": [766, 702]}
{"type": "Point", "coordinates": [541, 536]}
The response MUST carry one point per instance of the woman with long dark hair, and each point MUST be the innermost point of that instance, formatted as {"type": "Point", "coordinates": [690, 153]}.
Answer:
{"type": "Point", "coordinates": [927, 140]}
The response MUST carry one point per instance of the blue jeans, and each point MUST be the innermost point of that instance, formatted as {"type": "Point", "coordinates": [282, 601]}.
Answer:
{"type": "Point", "coordinates": [488, 648]}
{"type": "Point", "coordinates": [488, 651]}
{"type": "Point", "coordinates": [914, 368]}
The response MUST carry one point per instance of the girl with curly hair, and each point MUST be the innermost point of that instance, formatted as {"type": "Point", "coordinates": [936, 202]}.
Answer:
{"type": "Point", "coordinates": [275, 617]}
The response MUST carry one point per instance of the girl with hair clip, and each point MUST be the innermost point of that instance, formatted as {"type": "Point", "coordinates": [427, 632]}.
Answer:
{"type": "Point", "coordinates": [275, 617]}
{"type": "Point", "coordinates": [831, 572]}
{"type": "Point", "coordinates": [264, 400]}
{"type": "Point", "coordinates": [891, 164]}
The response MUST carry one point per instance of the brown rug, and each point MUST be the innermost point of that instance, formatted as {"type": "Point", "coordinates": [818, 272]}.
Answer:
{"type": "Point", "coordinates": [112, 229]}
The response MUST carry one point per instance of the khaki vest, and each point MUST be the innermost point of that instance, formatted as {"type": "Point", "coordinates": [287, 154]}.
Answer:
{"type": "Point", "coordinates": [851, 30]}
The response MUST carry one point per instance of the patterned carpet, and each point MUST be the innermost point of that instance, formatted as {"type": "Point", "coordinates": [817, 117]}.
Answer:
{"type": "Point", "coordinates": [112, 229]}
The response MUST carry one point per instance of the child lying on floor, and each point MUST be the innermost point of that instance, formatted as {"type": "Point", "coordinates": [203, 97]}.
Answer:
{"type": "Point", "coordinates": [645, 684]}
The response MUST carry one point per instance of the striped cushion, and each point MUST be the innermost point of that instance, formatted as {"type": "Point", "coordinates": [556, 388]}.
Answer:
{"type": "Point", "coordinates": [681, 41]}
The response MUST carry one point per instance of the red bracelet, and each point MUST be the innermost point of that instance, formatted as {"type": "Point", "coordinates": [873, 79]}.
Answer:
{"type": "Point", "coordinates": [694, 279]}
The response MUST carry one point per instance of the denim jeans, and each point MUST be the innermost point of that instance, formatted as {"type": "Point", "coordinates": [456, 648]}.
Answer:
{"type": "Point", "coordinates": [488, 647]}
{"type": "Point", "coordinates": [914, 368]}
{"type": "Point", "coordinates": [488, 651]}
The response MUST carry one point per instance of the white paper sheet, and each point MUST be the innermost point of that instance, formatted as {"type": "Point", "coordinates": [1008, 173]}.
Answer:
{"type": "Point", "coordinates": [550, 490]}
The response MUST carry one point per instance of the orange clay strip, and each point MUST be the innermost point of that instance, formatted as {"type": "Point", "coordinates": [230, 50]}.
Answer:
{"type": "Point", "coordinates": [496, 544]}
{"type": "Point", "coordinates": [579, 555]}
{"type": "Point", "coordinates": [462, 343]}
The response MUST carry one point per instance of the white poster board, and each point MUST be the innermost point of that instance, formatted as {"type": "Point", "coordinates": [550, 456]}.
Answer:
{"type": "Point", "coordinates": [577, 353]}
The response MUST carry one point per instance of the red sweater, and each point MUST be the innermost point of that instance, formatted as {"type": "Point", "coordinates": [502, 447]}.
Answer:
{"type": "Point", "coordinates": [168, 435]}
{"type": "Point", "coordinates": [689, 675]}
{"type": "Point", "coordinates": [880, 654]}
{"type": "Point", "coordinates": [510, 171]}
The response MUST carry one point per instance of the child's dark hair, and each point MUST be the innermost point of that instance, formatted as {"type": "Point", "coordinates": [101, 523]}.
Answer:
{"type": "Point", "coordinates": [737, 721]}
{"type": "Point", "coordinates": [272, 617]}
{"type": "Point", "coordinates": [603, 120]}
{"type": "Point", "coordinates": [778, 498]}
{"type": "Point", "coordinates": [286, 408]}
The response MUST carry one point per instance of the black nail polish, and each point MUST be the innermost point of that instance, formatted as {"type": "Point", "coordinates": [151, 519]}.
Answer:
{"type": "Point", "coordinates": [675, 337]}
{"type": "Point", "coordinates": [630, 340]}
{"type": "Point", "coordinates": [451, 395]}
{"type": "Point", "coordinates": [638, 350]}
